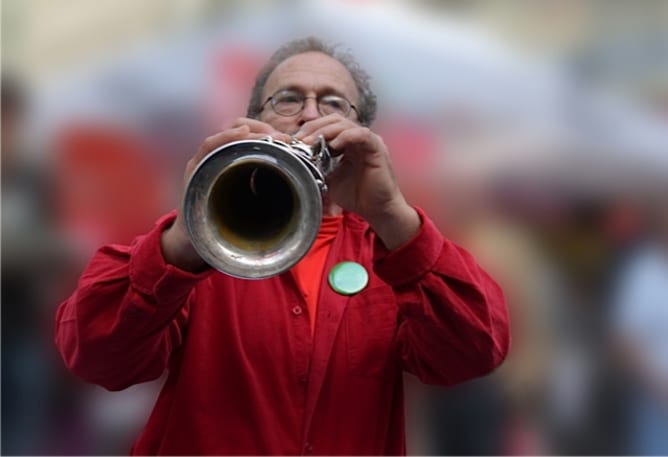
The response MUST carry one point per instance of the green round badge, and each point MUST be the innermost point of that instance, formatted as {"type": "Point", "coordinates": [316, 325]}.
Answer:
{"type": "Point", "coordinates": [348, 278]}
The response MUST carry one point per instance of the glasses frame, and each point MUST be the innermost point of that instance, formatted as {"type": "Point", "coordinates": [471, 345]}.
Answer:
{"type": "Point", "coordinates": [272, 103]}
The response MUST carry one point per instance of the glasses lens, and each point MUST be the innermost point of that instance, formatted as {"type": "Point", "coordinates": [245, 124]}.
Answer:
{"type": "Point", "coordinates": [330, 104]}
{"type": "Point", "coordinates": [287, 102]}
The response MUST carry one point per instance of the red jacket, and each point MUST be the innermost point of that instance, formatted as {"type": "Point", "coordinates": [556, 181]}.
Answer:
{"type": "Point", "coordinates": [245, 375]}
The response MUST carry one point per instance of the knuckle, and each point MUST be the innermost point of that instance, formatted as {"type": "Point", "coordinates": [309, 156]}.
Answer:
{"type": "Point", "coordinates": [356, 134]}
{"type": "Point", "coordinates": [366, 132]}
{"type": "Point", "coordinates": [208, 144]}
{"type": "Point", "coordinates": [214, 141]}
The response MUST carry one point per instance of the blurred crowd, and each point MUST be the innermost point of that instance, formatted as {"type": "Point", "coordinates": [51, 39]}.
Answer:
{"type": "Point", "coordinates": [585, 275]}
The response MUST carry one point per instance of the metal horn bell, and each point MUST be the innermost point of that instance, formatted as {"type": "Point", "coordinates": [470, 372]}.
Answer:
{"type": "Point", "coordinates": [253, 208]}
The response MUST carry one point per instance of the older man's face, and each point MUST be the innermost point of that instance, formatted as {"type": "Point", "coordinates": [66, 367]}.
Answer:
{"type": "Point", "coordinates": [313, 74]}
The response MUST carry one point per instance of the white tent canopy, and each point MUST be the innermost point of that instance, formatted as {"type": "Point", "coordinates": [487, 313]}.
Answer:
{"type": "Point", "coordinates": [422, 67]}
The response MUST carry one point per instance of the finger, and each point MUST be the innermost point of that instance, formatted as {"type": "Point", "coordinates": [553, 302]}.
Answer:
{"type": "Point", "coordinates": [257, 126]}
{"type": "Point", "coordinates": [221, 138]}
{"type": "Point", "coordinates": [310, 127]}
{"type": "Point", "coordinates": [262, 136]}
{"type": "Point", "coordinates": [328, 131]}
{"type": "Point", "coordinates": [343, 168]}
{"type": "Point", "coordinates": [359, 136]}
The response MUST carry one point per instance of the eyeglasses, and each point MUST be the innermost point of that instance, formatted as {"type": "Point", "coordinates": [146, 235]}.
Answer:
{"type": "Point", "coordinates": [287, 102]}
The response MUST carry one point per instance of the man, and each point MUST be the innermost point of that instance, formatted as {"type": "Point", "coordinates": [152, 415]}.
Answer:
{"type": "Point", "coordinates": [288, 365]}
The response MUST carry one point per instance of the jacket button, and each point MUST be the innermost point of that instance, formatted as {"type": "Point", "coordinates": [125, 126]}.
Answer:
{"type": "Point", "coordinates": [297, 310]}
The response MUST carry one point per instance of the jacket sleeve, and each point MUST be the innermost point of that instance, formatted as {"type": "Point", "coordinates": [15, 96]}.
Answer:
{"type": "Point", "coordinates": [127, 314]}
{"type": "Point", "coordinates": [453, 320]}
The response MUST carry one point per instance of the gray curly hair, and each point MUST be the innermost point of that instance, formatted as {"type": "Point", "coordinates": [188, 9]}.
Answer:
{"type": "Point", "coordinates": [367, 99]}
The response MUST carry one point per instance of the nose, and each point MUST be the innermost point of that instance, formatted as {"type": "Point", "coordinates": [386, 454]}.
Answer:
{"type": "Point", "coordinates": [310, 111]}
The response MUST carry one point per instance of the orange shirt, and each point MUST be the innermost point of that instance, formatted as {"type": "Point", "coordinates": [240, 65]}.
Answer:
{"type": "Point", "coordinates": [308, 271]}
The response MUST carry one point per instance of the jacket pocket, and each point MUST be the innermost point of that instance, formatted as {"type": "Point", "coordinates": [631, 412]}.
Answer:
{"type": "Point", "coordinates": [371, 324]}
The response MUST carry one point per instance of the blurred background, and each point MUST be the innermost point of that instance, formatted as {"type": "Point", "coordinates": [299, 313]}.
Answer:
{"type": "Point", "coordinates": [533, 132]}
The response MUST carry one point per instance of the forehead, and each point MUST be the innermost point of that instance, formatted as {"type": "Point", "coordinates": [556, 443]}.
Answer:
{"type": "Point", "coordinates": [312, 71]}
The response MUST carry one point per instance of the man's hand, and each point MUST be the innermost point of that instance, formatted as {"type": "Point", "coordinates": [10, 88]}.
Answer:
{"type": "Point", "coordinates": [176, 246]}
{"type": "Point", "coordinates": [363, 182]}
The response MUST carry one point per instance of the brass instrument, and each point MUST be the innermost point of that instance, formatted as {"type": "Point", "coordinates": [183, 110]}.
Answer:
{"type": "Point", "coordinates": [253, 208]}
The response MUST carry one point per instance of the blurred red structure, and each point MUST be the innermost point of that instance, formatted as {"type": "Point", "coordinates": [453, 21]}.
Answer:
{"type": "Point", "coordinates": [234, 69]}
{"type": "Point", "coordinates": [107, 188]}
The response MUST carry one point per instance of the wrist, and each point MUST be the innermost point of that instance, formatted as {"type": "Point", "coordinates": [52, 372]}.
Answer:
{"type": "Point", "coordinates": [177, 249]}
{"type": "Point", "coordinates": [396, 224]}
